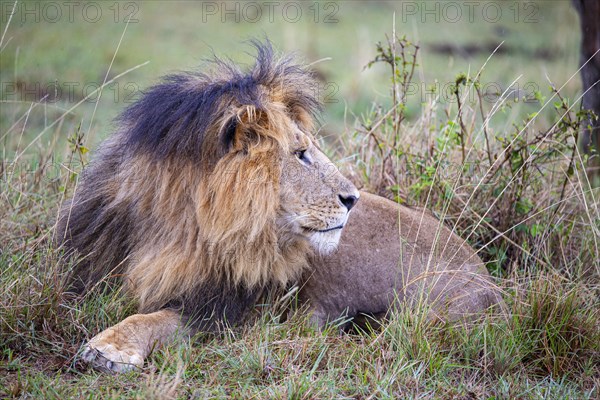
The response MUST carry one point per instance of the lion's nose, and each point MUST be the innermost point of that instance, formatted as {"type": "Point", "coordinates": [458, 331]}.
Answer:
{"type": "Point", "coordinates": [348, 200]}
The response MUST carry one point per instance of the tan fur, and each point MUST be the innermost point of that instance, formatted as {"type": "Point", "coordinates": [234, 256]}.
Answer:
{"type": "Point", "coordinates": [391, 255]}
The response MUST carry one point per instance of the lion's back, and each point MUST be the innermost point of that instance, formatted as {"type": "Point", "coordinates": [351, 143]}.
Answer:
{"type": "Point", "coordinates": [389, 252]}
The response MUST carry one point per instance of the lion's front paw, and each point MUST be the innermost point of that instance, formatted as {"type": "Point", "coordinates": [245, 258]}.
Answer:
{"type": "Point", "coordinates": [108, 357]}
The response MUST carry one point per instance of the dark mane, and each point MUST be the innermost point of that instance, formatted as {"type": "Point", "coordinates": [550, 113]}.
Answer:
{"type": "Point", "coordinates": [171, 118]}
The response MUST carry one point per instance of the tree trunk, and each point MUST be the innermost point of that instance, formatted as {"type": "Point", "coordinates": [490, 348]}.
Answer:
{"type": "Point", "coordinates": [589, 18]}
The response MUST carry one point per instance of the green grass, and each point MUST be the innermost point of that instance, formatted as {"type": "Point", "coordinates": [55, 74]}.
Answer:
{"type": "Point", "coordinates": [515, 190]}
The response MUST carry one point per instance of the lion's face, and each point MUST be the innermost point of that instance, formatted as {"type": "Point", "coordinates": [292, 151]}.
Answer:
{"type": "Point", "coordinates": [315, 199]}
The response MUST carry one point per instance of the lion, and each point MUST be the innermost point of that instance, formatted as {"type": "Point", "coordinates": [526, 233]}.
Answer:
{"type": "Point", "coordinates": [213, 192]}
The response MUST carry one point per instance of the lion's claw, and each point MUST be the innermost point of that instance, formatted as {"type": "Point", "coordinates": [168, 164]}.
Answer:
{"type": "Point", "coordinates": [108, 358]}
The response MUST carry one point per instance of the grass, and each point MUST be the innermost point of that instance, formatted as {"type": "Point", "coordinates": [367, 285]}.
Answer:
{"type": "Point", "coordinates": [514, 188]}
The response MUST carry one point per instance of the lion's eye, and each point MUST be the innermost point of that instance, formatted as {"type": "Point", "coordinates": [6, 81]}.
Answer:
{"type": "Point", "coordinates": [301, 154]}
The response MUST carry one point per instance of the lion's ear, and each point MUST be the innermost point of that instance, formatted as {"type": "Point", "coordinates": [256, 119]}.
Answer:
{"type": "Point", "coordinates": [240, 131]}
{"type": "Point", "coordinates": [236, 134]}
